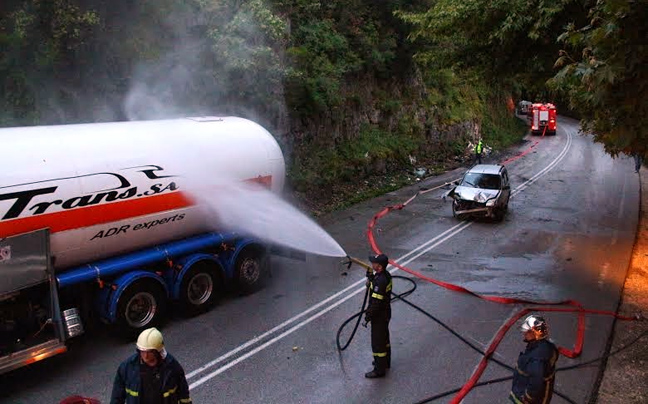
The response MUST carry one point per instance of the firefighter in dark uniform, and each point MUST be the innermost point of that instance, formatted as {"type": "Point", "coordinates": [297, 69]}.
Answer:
{"type": "Point", "coordinates": [151, 375]}
{"type": "Point", "coordinates": [379, 313]}
{"type": "Point", "coordinates": [533, 378]}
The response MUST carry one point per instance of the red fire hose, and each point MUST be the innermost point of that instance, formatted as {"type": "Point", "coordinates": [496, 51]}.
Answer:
{"type": "Point", "coordinates": [527, 151]}
{"type": "Point", "coordinates": [576, 307]}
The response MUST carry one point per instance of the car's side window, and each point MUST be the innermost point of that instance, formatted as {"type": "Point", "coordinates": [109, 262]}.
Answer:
{"type": "Point", "coordinates": [505, 178]}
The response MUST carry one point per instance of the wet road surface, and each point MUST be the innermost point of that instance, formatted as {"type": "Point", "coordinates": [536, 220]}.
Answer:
{"type": "Point", "coordinates": [568, 235]}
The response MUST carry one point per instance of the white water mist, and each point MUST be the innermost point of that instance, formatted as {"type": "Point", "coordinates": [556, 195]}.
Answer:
{"type": "Point", "coordinates": [254, 210]}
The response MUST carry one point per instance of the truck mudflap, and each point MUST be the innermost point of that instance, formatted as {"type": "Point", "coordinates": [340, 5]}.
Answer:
{"type": "Point", "coordinates": [31, 355]}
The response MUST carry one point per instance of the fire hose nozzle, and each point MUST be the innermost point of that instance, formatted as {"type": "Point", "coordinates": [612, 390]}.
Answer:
{"type": "Point", "coordinates": [348, 262]}
{"type": "Point", "coordinates": [359, 262]}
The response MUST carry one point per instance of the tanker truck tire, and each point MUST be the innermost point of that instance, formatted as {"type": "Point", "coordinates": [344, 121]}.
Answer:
{"type": "Point", "coordinates": [251, 270]}
{"type": "Point", "coordinates": [200, 288]}
{"type": "Point", "coordinates": [142, 305]}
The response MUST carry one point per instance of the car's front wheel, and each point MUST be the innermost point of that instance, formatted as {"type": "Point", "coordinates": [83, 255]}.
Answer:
{"type": "Point", "coordinates": [455, 207]}
{"type": "Point", "coordinates": [498, 213]}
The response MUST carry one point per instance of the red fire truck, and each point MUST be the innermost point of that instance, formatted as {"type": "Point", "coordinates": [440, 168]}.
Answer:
{"type": "Point", "coordinates": [543, 119]}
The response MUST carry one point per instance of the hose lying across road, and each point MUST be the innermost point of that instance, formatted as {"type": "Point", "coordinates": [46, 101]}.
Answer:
{"type": "Point", "coordinates": [575, 307]}
{"type": "Point", "coordinates": [401, 296]}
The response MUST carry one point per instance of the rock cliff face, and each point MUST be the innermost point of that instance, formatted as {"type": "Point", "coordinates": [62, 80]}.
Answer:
{"type": "Point", "coordinates": [386, 134]}
{"type": "Point", "coordinates": [400, 109]}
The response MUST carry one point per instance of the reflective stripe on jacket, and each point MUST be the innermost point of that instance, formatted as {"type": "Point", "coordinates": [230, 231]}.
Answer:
{"type": "Point", "coordinates": [127, 384]}
{"type": "Point", "coordinates": [380, 296]}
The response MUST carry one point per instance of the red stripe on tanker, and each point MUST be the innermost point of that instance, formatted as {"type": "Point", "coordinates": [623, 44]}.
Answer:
{"type": "Point", "coordinates": [110, 188]}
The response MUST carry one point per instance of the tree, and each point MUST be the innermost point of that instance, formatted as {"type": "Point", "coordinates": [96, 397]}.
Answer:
{"type": "Point", "coordinates": [604, 74]}
{"type": "Point", "coordinates": [505, 41]}
{"type": "Point", "coordinates": [38, 41]}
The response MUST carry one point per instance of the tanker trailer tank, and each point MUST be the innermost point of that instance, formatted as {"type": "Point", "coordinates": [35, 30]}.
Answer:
{"type": "Point", "coordinates": [122, 233]}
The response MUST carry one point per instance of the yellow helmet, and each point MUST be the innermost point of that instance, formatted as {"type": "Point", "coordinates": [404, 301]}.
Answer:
{"type": "Point", "coordinates": [150, 339]}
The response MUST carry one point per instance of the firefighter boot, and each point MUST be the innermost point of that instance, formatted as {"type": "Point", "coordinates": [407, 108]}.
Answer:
{"type": "Point", "coordinates": [379, 370]}
{"type": "Point", "coordinates": [388, 361]}
{"type": "Point", "coordinates": [375, 373]}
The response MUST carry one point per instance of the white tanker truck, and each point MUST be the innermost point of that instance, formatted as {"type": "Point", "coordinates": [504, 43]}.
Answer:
{"type": "Point", "coordinates": [94, 223]}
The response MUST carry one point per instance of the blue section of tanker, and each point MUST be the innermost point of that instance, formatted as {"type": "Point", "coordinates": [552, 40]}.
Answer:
{"type": "Point", "coordinates": [140, 259]}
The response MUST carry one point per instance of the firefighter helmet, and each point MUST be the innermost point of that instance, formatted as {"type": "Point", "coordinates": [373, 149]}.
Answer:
{"type": "Point", "coordinates": [380, 259]}
{"type": "Point", "coordinates": [536, 324]}
{"type": "Point", "coordinates": [151, 339]}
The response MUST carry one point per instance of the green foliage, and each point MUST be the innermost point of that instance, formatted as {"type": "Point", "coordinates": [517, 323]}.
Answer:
{"type": "Point", "coordinates": [335, 64]}
{"type": "Point", "coordinates": [38, 39]}
{"type": "Point", "coordinates": [500, 129]}
{"type": "Point", "coordinates": [604, 76]}
{"type": "Point", "coordinates": [334, 42]}
{"type": "Point", "coordinates": [247, 40]}
{"type": "Point", "coordinates": [322, 59]}
{"type": "Point", "coordinates": [353, 159]}
{"type": "Point", "coordinates": [508, 42]}
{"type": "Point", "coordinates": [514, 44]}
{"type": "Point", "coordinates": [456, 97]}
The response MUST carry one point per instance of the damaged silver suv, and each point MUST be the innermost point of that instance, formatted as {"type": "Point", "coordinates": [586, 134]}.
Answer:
{"type": "Point", "coordinates": [484, 191]}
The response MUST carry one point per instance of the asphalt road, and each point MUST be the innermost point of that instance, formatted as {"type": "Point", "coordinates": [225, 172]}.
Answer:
{"type": "Point", "coordinates": [568, 235]}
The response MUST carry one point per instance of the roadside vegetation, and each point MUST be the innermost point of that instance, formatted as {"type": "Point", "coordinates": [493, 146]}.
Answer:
{"type": "Point", "coordinates": [354, 90]}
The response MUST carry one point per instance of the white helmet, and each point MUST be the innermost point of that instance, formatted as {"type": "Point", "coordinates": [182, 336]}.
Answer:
{"type": "Point", "coordinates": [536, 324]}
{"type": "Point", "coordinates": [151, 339]}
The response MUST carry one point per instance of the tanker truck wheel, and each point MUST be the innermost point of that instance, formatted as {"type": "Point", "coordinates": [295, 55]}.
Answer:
{"type": "Point", "coordinates": [200, 288]}
{"type": "Point", "coordinates": [142, 305]}
{"type": "Point", "coordinates": [251, 270]}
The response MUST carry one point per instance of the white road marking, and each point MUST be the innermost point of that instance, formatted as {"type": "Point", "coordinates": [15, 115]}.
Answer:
{"type": "Point", "coordinates": [316, 306]}
{"type": "Point", "coordinates": [220, 370]}
{"type": "Point", "coordinates": [424, 248]}
{"type": "Point", "coordinates": [542, 172]}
